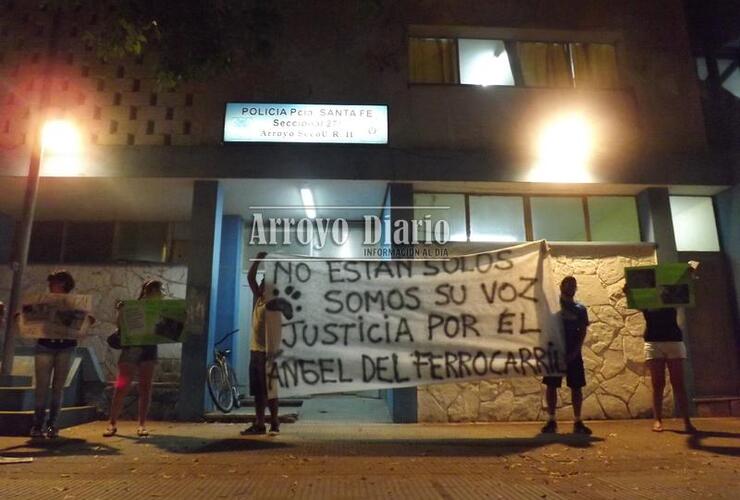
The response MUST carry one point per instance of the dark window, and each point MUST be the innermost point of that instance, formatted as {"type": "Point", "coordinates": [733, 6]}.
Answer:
{"type": "Point", "coordinates": [46, 241]}
{"type": "Point", "coordinates": [141, 241]}
{"type": "Point", "coordinates": [88, 242]}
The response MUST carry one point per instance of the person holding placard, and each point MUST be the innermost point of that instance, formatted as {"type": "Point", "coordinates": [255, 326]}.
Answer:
{"type": "Point", "coordinates": [142, 358]}
{"type": "Point", "coordinates": [575, 323]}
{"type": "Point", "coordinates": [52, 356]}
{"type": "Point", "coordinates": [258, 358]}
{"type": "Point", "coordinates": [664, 348]}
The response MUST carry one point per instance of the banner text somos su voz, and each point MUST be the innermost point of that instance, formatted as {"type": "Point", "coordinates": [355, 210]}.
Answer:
{"type": "Point", "coordinates": [359, 325]}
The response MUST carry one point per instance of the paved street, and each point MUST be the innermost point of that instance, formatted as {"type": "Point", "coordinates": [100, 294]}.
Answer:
{"type": "Point", "coordinates": [623, 459]}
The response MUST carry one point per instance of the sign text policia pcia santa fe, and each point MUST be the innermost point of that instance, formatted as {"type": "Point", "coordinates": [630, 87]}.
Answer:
{"type": "Point", "coordinates": [308, 123]}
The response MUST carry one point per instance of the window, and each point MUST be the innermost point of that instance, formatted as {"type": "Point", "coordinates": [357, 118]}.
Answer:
{"type": "Point", "coordinates": [88, 242]}
{"type": "Point", "coordinates": [550, 64]}
{"type": "Point", "coordinates": [497, 218]}
{"type": "Point", "coordinates": [544, 64]}
{"type": "Point", "coordinates": [141, 241]}
{"type": "Point", "coordinates": [484, 62]}
{"type": "Point", "coordinates": [46, 241]}
{"type": "Point", "coordinates": [503, 218]}
{"type": "Point", "coordinates": [558, 219]}
{"type": "Point", "coordinates": [440, 206]}
{"type": "Point", "coordinates": [694, 225]}
{"type": "Point", "coordinates": [613, 218]}
{"type": "Point", "coordinates": [594, 65]}
{"type": "Point", "coordinates": [432, 60]}
{"type": "Point", "coordinates": [729, 73]}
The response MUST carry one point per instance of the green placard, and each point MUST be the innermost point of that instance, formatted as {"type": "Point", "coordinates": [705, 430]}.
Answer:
{"type": "Point", "coordinates": [656, 287]}
{"type": "Point", "coordinates": [150, 322]}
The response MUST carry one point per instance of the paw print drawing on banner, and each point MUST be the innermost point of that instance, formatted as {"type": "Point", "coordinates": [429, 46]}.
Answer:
{"type": "Point", "coordinates": [284, 305]}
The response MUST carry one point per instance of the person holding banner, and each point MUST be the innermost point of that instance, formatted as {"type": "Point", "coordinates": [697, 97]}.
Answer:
{"type": "Point", "coordinates": [52, 356]}
{"type": "Point", "coordinates": [575, 323]}
{"type": "Point", "coordinates": [258, 358]}
{"type": "Point", "coordinates": [133, 358]}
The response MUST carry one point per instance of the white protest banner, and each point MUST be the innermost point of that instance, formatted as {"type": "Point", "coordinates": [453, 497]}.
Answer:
{"type": "Point", "coordinates": [359, 325]}
{"type": "Point", "coordinates": [55, 316]}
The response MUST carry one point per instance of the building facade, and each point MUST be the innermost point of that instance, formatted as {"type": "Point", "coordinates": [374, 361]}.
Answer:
{"type": "Point", "coordinates": [578, 123]}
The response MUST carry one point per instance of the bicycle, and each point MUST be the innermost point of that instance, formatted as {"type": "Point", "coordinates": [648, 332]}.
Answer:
{"type": "Point", "coordinates": [222, 384]}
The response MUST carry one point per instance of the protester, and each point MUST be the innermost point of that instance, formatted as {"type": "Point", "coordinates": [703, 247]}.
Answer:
{"type": "Point", "coordinates": [575, 323]}
{"type": "Point", "coordinates": [664, 347]}
{"type": "Point", "coordinates": [143, 358]}
{"type": "Point", "coordinates": [52, 356]}
{"type": "Point", "coordinates": [258, 358]}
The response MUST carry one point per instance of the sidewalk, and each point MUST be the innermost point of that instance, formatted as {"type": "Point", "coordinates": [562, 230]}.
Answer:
{"type": "Point", "coordinates": [623, 459]}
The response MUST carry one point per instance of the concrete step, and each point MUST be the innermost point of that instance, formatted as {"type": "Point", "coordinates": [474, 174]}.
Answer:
{"type": "Point", "coordinates": [248, 401]}
{"type": "Point", "coordinates": [22, 398]}
{"type": "Point", "coordinates": [246, 415]}
{"type": "Point", "coordinates": [18, 423]}
{"type": "Point", "coordinates": [717, 406]}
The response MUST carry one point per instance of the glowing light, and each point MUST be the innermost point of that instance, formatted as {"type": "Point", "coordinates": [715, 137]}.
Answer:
{"type": "Point", "coordinates": [308, 203]}
{"type": "Point", "coordinates": [563, 151]}
{"type": "Point", "coordinates": [60, 149]}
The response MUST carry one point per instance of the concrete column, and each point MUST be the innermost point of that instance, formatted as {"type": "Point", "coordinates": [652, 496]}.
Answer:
{"type": "Point", "coordinates": [402, 403]}
{"type": "Point", "coordinates": [656, 226]}
{"type": "Point", "coordinates": [728, 219]}
{"type": "Point", "coordinates": [230, 268]}
{"type": "Point", "coordinates": [202, 292]}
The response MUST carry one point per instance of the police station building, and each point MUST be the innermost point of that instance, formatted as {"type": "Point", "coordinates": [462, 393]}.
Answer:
{"type": "Point", "coordinates": [509, 122]}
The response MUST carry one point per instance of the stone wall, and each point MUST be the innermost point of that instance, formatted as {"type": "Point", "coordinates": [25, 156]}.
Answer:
{"type": "Point", "coordinates": [617, 385]}
{"type": "Point", "coordinates": [107, 284]}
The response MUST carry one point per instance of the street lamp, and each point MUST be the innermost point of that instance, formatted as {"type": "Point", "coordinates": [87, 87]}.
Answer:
{"type": "Point", "coordinates": [55, 147]}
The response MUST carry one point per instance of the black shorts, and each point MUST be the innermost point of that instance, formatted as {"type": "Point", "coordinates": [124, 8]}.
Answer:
{"type": "Point", "coordinates": [575, 376]}
{"type": "Point", "coordinates": [138, 354]}
{"type": "Point", "coordinates": [258, 375]}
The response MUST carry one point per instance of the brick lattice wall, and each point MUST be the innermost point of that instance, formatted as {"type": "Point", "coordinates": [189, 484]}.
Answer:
{"type": "Point", "coordinates": [115, 103]}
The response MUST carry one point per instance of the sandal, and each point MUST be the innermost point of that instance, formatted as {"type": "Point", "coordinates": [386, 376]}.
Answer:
{"type": "Point", "coordinates": [142, 432]}
{"type": "Point", "coordinates": [110, 431]}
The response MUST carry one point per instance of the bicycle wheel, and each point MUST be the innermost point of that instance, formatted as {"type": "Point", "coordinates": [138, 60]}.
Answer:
{"type": "Point", "coordinates": [220, 388]}
{"type": "Point", "coordinates": [234, 385]}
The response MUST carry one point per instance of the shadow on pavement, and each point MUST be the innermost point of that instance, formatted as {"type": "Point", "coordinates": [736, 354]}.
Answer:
{"type": "Point", "coordinates": [695, 442]}
{"type": "Point", "coordinates": [193, 444]}
{"type": "Point", "coordinates": [468, 447]}
{"type": "Point", "coordinates": [59, 447]}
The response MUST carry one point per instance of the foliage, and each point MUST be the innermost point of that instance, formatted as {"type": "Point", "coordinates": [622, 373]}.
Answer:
{"type": "Point", "coordinates": [188, 39]}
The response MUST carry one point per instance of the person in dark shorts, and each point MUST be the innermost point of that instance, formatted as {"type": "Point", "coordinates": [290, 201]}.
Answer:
{"type": "Point", "coordinates": [258, 359]}
{"type": "Point", "coordinates": [575, 324]}
{"type": "Point", "coordinates": [52, 356]}
{"type": "Point", "coordinates": [142, 358]}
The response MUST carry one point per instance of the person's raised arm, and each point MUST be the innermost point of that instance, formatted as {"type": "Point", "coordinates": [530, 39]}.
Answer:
{"type": "Point", "coordinates": [252, 274]}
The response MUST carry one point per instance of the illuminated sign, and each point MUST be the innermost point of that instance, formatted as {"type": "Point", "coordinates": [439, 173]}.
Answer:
{"type": "Point", "coordinates": [316, 123]}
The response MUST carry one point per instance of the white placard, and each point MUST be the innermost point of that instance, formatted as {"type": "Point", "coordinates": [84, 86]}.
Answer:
{"type": "Point", "coordinates": [360, 325]}
{"type": "Point", "coordinates": [311, 123]}
{"type": "Point", "coordinates": [55, 316]}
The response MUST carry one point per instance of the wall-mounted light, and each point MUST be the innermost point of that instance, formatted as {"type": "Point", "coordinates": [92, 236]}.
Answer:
{"type": "Point", "coordinates": [308, 203]}
{"type": "Point", "coordinates": [563, 150]}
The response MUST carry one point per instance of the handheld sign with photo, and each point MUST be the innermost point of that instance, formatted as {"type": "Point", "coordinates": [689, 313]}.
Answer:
{"type": "Point", "coordinates": [55, 316]}
{"type": "Point", "coordinates": [363, 325]}
{"type": "Point", "coordinates": [656, 287]}
{"type": "Point", "coordinates": [150, 322]}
